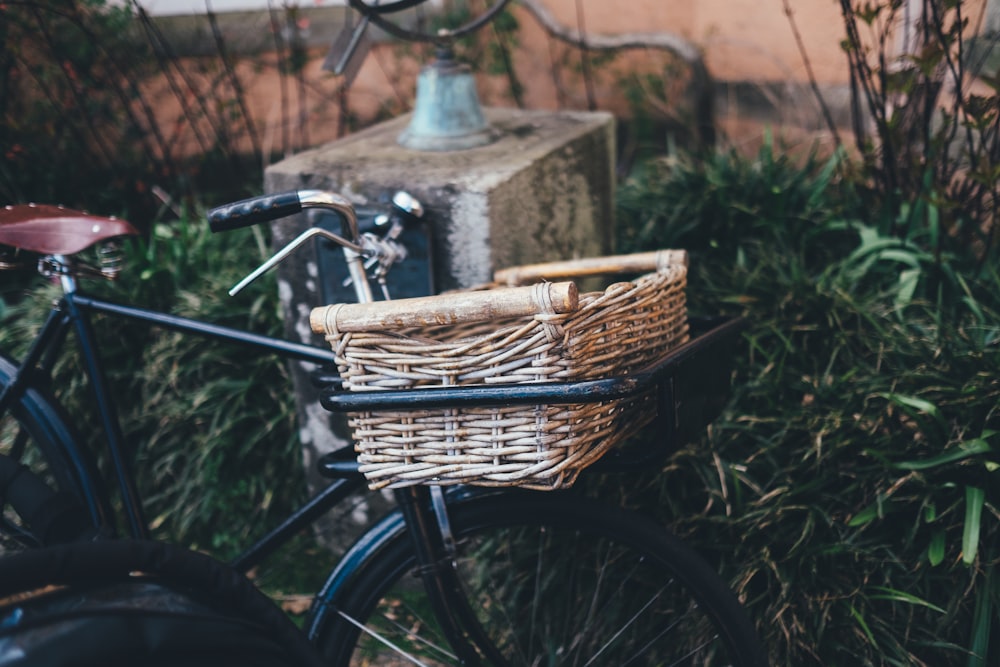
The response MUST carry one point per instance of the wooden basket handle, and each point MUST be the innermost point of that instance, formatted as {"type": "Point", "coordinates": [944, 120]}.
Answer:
{"type": "Point", "coordinates": [453, 308]}
{"type": "Point", "coordinates": [642, 262]}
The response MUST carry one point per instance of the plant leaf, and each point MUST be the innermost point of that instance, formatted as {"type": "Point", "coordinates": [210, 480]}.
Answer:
{"type": "Point", "coordinates": [864, 626]}
{"type": "Point", "coordinates": [963, 451]}
{"type": "Point", "coordinates": [908, 281]}
{"type": "Point", "coordinates": [935, 550]}
{"type": "Point", "coordinates": [919, 404]}
{"type": "Point", "coordinates": [900, 255]}
{"type": "Point", "coordinates": [982, 622]}
{"type": "Point", "coordinates": [901, 596]}
{"type": "Point", "coordinates": [867, 515]}
{"type": "Point", "coordinates": [974, 500]}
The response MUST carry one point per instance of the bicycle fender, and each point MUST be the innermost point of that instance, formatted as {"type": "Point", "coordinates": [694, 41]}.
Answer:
{"type": "Point", "coordinates": [368, 547]}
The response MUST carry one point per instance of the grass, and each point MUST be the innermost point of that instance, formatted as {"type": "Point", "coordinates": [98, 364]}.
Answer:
{"type": "Point", "coordinates": [847, 492]}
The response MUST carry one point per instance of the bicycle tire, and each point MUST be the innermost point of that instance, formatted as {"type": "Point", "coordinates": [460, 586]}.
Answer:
{"type": "Point", "coordinates": [587, 583]}
{"type": "Point", "coordinates": [36, 426]}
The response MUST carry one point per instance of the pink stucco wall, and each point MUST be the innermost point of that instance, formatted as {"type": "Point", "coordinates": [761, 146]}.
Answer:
{"type": "Point", "coordinates": [741, 39]}
{"type": "Point", "coordinates": [746, 42]}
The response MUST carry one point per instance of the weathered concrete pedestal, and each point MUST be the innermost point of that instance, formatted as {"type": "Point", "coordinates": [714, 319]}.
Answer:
{"type": "Point", "coordinates": [542, 191]}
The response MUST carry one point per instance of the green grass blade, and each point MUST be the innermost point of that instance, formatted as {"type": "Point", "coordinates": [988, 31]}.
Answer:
{"type": "Point", "coordinates": [914, 403]}
{"type": "Point", "coordinates": [902, 596]}
{"type": "Point", "coordinates": [974, 500]}
{"type": "Point", "coordinates": [935, 550]}
{"type": "Point", "coordinates": [963, 451]}
{"type": "Point", "coordinates": [859, 619]}
{"type": "Point", "coordinates": [981, 621]}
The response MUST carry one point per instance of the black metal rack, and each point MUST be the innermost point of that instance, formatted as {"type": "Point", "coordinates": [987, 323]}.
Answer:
{"type": "Point", "coordinates": [692, 385]}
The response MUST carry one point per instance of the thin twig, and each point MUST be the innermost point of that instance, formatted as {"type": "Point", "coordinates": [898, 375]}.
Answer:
{"type": "Point", "coordinates": [393, 82]}
{"type": "Point", "coordinates": [234, 81]}
{"type": "Point", "coordinates": [671, 43]}
{"type": "Point", "coordinates": [588, 82]}
{"type": "Point", "coordinates": [169, 62]}
{"type": "Point", "coordinates": [556, 80]}
{"type": "Point", "coordinates": [508, 65]}
{"type": "Point", "coordinates": [158, 44]}
{"type": "Point", "coordinates": [813, 83]}
{"type": "Point", "coordinates": [303, 100]}
{"type": "Point", "coordinates": [117, 90]}
{"type": "Point", "coordinates": [74, 88]}
{"type": "Point", "coordinates": [279, 49]}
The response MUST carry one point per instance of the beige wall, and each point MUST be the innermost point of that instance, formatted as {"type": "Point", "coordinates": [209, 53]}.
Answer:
{"type": "Point", "coordinates": [748, 40]}
{"type": "Point", "coordinates": [742, 39]}
{"type": "Point", "coordinates": [618, 16]}
{"type": "Point", "coordinates": [745, 42]}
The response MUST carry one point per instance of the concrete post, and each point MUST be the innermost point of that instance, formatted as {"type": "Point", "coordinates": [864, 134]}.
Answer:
{"type": "Point", "coordinates": [543, 190]}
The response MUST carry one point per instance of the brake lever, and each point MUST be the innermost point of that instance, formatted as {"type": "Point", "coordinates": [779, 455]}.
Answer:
{"type": "Point", "coordinates": [291, 247]}
{"type": "Point", "coordinates": [385, 251]}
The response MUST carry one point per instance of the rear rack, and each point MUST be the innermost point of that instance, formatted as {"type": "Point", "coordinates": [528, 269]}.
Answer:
{"type": "Point", "coordinates": [692, 384]}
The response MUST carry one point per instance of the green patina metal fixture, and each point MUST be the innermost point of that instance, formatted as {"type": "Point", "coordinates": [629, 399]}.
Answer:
{"type": "Point", "coordinates": [447, 115]}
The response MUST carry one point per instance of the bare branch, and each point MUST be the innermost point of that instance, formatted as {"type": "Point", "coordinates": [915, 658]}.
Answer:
{"type": "Point", "coordinates": [682, 48]}
{"type": "Point", "coordinates": [813, 84]}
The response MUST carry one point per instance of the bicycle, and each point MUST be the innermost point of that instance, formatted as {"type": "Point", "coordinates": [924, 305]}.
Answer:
{"type": "Point", "coordinates": [455, 575]}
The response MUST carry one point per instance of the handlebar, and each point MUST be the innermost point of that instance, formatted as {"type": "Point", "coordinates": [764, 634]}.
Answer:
{"type": "Point", "coordinates": [266, 208]}
{"type": "Point", "coordinates": [253, 211]}
{"type": "Point", "coordinates": [383, 251]}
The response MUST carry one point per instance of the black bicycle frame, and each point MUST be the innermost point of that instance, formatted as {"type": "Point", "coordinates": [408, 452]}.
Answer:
{"type": "Point", "coordinates": [423, 516]}
{"type": "Point", "coordinates": [72, 313]}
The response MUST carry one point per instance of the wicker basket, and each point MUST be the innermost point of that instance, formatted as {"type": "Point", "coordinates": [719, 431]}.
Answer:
{"type": "Point", "coordinates": [506, 335]}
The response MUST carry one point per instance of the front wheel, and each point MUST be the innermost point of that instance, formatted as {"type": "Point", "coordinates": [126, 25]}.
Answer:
{"type": "Point", "coordinates": [554, 579]}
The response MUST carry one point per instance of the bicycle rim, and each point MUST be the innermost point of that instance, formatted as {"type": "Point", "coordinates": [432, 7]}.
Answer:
{"type": "Point", "coordinates": [552, 581]}
{"type": "Point", "coordinates": [33, 432]}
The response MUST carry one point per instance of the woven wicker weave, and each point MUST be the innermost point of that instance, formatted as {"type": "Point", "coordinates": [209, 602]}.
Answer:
{"type": "Point", "coordinates": [615, 332]}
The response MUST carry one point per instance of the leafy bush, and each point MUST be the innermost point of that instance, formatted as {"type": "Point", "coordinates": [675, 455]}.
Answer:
{"type": "Point", "coordinates": [925, 118]}
{"type": "Point", "coordinates": [84, 89]}
{"type": "Point", "coordinates": [848, 491]}
{"type": "Point", "coordinates": [69, 76]}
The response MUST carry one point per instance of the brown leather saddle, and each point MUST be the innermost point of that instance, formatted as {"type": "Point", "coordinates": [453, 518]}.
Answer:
{"type": "Point", "coordinates": [54, 230]}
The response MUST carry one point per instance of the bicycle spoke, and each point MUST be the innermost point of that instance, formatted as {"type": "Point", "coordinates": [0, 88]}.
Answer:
{"type": "Point", "coordinates": [509, 622]}
{"type": "Point", "coordinates": [393, 647]}
{"type": "Point", "coordinates": [537, 590]}
{"type": "Point", "coordinates": [667, 630]}
{"type": "Point", "coordinates": [693, 652]}
{"type": "Point", "coordinates": [577, 587]}
{"type": "Point", "coordinates": [602, 603]}
{"type": "Point", "coordinates": [621, 630]}
{"type": "Point", "coordinates": [592, 614]}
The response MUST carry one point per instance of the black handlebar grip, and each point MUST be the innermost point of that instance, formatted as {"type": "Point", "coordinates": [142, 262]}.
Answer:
{"type": "Point", "coordinates": [254, 210]}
